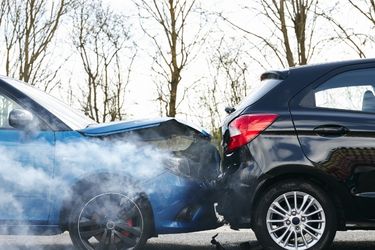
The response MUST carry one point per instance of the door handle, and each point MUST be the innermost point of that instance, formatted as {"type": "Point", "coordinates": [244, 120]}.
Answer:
{"type": "Point", "coordinates": [331, 130]}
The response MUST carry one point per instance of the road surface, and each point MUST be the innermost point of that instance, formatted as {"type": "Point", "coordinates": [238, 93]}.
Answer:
{"type": "Point", "coordinates": [230, 240]}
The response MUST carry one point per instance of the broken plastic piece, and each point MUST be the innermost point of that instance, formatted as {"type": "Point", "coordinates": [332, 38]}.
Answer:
{"type": "Point", "coordinates": [216, 243]}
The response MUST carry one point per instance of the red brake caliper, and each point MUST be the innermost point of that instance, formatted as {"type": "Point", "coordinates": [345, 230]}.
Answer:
{"type": "Point", "coordinates": [130, 224]}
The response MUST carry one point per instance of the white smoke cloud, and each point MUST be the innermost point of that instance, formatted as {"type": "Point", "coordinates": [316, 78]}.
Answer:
{"type": "Point", "coordinates": [39, 168]}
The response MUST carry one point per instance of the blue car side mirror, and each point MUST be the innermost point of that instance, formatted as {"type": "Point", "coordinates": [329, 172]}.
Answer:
{"type": "Point", "coordinates": [20, 118]}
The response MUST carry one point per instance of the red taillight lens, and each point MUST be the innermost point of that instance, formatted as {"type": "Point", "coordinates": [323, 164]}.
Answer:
{"type": "Point", "coordinates": [245, 128]}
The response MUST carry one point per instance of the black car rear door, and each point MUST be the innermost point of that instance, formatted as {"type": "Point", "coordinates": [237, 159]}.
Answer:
{"type": "Point", "coordinates": [335, 122]}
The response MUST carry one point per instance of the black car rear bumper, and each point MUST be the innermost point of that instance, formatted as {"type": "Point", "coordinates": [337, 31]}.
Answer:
{"type": "Point", "coordinates": [236, 190]}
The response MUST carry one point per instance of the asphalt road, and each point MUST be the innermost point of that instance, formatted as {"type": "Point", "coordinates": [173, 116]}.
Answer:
{"type": "Point", "coordinates": [230, 240]}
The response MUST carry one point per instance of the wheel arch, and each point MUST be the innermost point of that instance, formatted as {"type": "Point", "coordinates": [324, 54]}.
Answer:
{"type": "Point", "coordinates": [93, 180]}
{"type": "Point", "coordinates": [337, 192]}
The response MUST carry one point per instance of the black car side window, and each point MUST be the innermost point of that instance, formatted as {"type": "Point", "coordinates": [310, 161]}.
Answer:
{"type": "Point", "coordinates": [351, 90]}
{"type": "Point", "coordinates": [6, 106]}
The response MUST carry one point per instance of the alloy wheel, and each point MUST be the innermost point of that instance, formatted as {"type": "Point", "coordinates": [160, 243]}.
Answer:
{"type": "Point", "coordinates": [110, 221]}
{"type": "Point", "coordinates": [296, 220]}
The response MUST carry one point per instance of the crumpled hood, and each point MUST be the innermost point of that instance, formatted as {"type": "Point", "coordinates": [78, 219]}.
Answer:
{"type": "Point", "coordinates": [125, 126]}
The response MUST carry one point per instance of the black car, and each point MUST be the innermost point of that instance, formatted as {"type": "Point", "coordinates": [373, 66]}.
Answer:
{"type": "Point", "coordinates": [299, 156]}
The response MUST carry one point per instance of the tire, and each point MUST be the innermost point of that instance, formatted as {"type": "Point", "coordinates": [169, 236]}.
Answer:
{"type": "Point", "coordinates": [280, 224]}
{"type": "Point", "coordinates": [105, 218]}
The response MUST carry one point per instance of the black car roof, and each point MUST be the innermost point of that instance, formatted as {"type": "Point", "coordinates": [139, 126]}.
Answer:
{"type": "Point", "coordinates": [318, 68]}
{"type": "Point", "coordinates": [333, 65]}
{"type": "Point", "coordinates": [295, 79]}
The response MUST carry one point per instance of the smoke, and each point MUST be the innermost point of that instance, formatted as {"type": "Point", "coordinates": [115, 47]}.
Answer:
{"type": "Point", "coordinates": [39, 174]}
{"type": "Point", "coordinates": [130, 158]}
{"type": "Point", "coordinates": [34, 175]}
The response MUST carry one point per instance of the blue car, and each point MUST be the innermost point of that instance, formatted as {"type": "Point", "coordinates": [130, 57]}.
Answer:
{"type": "Point", "coordinates": [112, 186]}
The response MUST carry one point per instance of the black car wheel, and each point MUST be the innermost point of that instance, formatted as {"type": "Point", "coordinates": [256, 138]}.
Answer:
{"type": "Point", "coordinates": [295, 215]}
{"type": "Point", "coordinates": [109, 220]}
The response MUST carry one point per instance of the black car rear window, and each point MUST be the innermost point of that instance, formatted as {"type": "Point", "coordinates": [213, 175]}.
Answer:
{"type": "Point", "coordinates": [351, 90]}
{"type": "Point", "coordinates": [266, 86]}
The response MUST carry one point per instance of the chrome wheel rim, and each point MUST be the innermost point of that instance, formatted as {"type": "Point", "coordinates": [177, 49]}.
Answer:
{"type": "Point", "coordinates": [296, 220]}
{"type": "Point", "coordinates": [110, 221]}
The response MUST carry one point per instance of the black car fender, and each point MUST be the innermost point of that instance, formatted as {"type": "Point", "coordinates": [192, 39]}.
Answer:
{"type": "Point", "coordinates": [339, 193]}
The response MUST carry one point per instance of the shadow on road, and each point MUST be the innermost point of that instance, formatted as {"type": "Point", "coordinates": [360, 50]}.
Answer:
{"type": "Point", "coordinates": [252, 245]}
{"type": "Point", "coordinates": [362, 245]}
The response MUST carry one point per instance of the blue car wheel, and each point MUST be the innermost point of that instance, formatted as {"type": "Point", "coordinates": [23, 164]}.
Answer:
{"type": "Point", "coordinates": [109, 220]}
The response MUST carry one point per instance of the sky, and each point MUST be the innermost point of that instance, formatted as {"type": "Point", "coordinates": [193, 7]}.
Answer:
{"type": "Point", "coordinates": [235, 11]}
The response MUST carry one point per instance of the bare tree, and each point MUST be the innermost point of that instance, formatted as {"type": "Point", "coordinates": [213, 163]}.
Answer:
{"type": "Point", "coordinates": [366, 8]}
{"type": "Point", "coordinates": [293, 26]}
{"type": "Point", "coordinates": [173, 49]}
{"type": "Point", "coordinates": [227, 84]}
{"type": "Point", "coordinates": [29, 28]}
{"type": "Point", "coordinates": [231, 69]}
{"type": "Point", "coordinates": [100, 36]}
{"type": "Point", "coordinates": [2, 11]}
{"type": "Point", "coordinates": [357, 41]}
{"type": "Point", "coordinates": [354, 40]}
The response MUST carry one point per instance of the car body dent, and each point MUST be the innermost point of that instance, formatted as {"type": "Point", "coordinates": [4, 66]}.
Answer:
{"type": "Point", "coordinates": [120, 127]}
{"type": "Point", "coordinates": [112, 128]}
{"type": "Point", "coordinates": [174, 193]}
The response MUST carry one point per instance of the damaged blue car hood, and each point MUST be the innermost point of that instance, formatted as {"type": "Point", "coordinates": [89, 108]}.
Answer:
{"type": "Point", "coordinates": [124, 126]}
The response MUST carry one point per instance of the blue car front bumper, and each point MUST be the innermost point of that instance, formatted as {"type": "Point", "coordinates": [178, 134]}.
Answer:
{"type": "Point", "coordinates": [181, 204]}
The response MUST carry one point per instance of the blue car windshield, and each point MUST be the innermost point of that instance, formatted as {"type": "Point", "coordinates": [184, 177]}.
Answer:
{"type": "Point", "coordinates": [71, 117]}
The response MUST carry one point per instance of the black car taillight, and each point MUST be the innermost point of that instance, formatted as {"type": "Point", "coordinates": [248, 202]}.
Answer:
{"type": "Point", "coordinates": [245, 128]}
